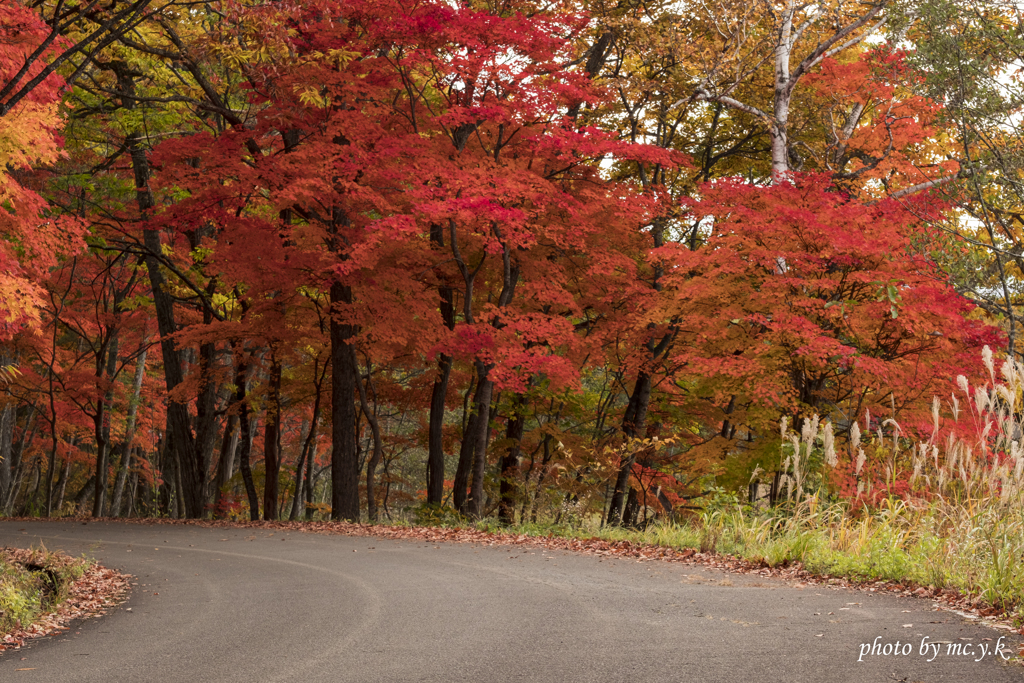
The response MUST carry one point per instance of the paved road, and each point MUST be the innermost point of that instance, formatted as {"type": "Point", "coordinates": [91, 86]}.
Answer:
{"type": "Point", "coordinates": [258, 606]}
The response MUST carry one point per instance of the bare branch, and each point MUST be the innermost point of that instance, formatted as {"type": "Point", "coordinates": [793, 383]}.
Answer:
{"type": "Point", "coordinates": [829, 47]}
{"type": "Point", "coordinates": [704, 95]}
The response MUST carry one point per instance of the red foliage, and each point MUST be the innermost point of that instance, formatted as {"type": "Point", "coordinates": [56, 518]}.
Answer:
{"type": "Point", "coordinates": [800, 296]}
{"type": "Point", "coordinates": [434, 151]}
{"type": "Point", "coordinates": [30, 241]}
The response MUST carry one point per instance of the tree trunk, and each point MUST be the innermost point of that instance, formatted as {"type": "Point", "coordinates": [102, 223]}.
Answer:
{"type": "Point", "coordinates": [62, 485]}
{"type": "Point", "coordinates": [51, 464]}
{"type": "Point", "coordinates": [541, 476]}
{"type": "Point", "coordinates": [106, 363]}
{"type": "Point", "coordinates": [435, 431]}
{"type": "Point", "coordinates": [344, 459]}
{"type": "Point", "coordinates": [28, 435]}
{"type": "Point", "coordinates": [178, 421]}
{"type": "Point", "coordinates": [782, 96]}
{"type": "Point", "coordinates": [272, 442]}
{"type": "Point", "coordinates": [510, 279]}
{"type": "Point", "coordinates": [226, 463]}
{"type": "Point", "coordinates": [633, 427]}
{"type": "Point", "coordinates": [133, 491]}
{"type": "Point", "coordinates": [310, 480]}
{"type": "Point", "coordinates": [439, 392]}
{"type": "Point", "coordinates": [207, 420]}
{"type": "Point", "coordinates": [7, 419]}
{"type": "Point", "coordinates": [466, 450]}
{"type": "Point", "coordinates": [129, 435]}
{"type": "Point", "coordinates": [87, 490]}
{"type": "Point", "coordinates": [378, 450]}
{"type": "Point", "coordinates": [245, 434]}
{"type": "Point", "coordinates": [475, 502]}
{"type": "Point", "coordinates": [179, 495]}
{"type": "Point", "coordinates": [510, 461]}
{"type": "Point", "coordinates": [303, 491]}
{"type": "Point", "coordinates": [165, 465]}
{"type": "Point", "coordinates": [308, 431]}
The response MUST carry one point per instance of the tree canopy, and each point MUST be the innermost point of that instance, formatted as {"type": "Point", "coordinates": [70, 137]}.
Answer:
{"type": "Point", "coordinates": [339, 256]}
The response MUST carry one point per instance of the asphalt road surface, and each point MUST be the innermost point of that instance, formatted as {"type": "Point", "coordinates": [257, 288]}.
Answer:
{"type": "Point", "coordinates": [260, 606]}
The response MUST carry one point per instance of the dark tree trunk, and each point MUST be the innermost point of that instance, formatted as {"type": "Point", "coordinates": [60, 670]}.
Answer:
{"type": "Point", "coordinates": [633, 422]}
{"type": "Point", "coordinates": [178, 421]}
{"type": "Point", "coordinates": [378, 451]}
{"type": "Point", "coordinates": [245, 435]}
{"type": "Point", "coordinates": [476, 500]}
{"type": "Point", "coordinates": [310, 479]}
{"type": "Point", "coordinates": [51, 463]}
{"type": "Point", "coordinates": [179, 498]}
{"type": "Point", "coordinates": [272, 442]}
{"type": "Point", "coordinates": [344, 459]}
{"type": "Point", "coordinates": [83, 495]}
{"type": "Point", "coordinates": [308, 436]}
{"type": "Point", "coordinates": [633, 428]}
{"type": "Point", "coordinates": [510, 461]}
{"type": "Point", "coordinates": [207, 418]}
{"type": "Point", "coordinates": [165, 465]}
{"type": "Point", "coordinates": [179, 425]}
{"type": "Point", "coordinates": [435, 431]}
{"type": "Point", "coordinates": [439, 392]}
{"type": "Point", "coordinates": [7, 420]}
{"type": "Point", "coordinates": [510, 279]}
{"type": "Point", "coordinates": [632, 510]}
{"type": "Point", "coordinates": [775, 492]}
{"type": "Point", "coordinates": [464, 468]}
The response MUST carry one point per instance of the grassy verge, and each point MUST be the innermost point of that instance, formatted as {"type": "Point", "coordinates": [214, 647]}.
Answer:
{"type": "Point", "coordinates": [33, 583]}
{"type": "Point", "coordinates": [973, 548]}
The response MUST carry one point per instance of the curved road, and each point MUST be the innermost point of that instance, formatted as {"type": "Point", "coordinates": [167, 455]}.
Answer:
{"type": "Point", "coordinates": [260, 606]}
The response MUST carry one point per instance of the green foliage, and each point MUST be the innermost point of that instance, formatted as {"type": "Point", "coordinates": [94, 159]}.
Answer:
{"type": "Point", "coordinates": [427, 514]}
{"type": "Point", "coordinates": [31, 588]}
{"type": "Point", "coordinates": [20, 595]}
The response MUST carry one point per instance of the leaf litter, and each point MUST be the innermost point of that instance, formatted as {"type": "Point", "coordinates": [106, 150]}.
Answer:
{"type": "Point", "coordinates": [91, 595]}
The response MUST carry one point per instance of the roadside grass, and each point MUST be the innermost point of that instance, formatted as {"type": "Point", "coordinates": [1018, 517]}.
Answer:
{"type": "Point", "coordinates": [973, 547]}
{"type": "Point", "coordinates": [959, 523]}
{"type": "Point", "coordinates": [33, 585]}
